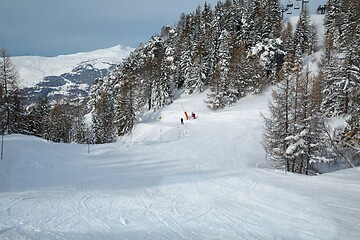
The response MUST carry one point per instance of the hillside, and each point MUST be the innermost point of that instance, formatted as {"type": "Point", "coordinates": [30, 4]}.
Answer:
{"type": "Point", "coordinates": [65, 76]}
{"type": "Point", "coordinates": [33, 69]}
{"type": "Point", "coordinates": [206, 179]}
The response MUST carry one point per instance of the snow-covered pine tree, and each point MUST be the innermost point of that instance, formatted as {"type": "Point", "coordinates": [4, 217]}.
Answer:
{"type": "Point", "coordinates": [351, 135]}
{"type": "Point", "coordinates": [161, 75]}
{"type": "Point", "coordinates": [271, 28]}
{"type": "Point", "coordinates": [332, 23]}
{"type": "Point", "coordinates": [208, 44]}
{"type": "Point", "coordinates": [238, 12]}
{"type": "Point", "coordinates": [219, 88]}
{"type": "Point", "coordinates": [287, 37]}
{"type": "Point", "coordinates": [295, 131]}
{"type": "Point", "coordinates": [350, 14]}
{"type": "Point", "coordinates": [103, 112]}
{"type": "Point", "coordinates": [185, 51]}
{"type": "Point", "coordinates": [201, 53]}
{"type": "Point", "coordinates": [238, 74]}
{"type": "Point", "coordinates": [38, 118]}
{"type": "Point", "coordinates": [215, 98]}
{"type": "Point", "coordinates": [197, 72]}
{"type": "Point", "coordinates": [181, 50]}
{"type": "Point", "coordinates": [302, 34]}
{"type": "Point", "coordinates": [78, 128]}
{"type": "Point", "coordinates": [307, 139]}
{"type": "Point", "coordinates": [350, 47]}
{"type": "Point", "coordinates": [17, 117]}
{"type": "Point", "coordinates": [125, 105]}
{"type": "Point", "coordinates": [195, 63]}
{"type": "Point", "coordinates": [278, 126]}
{"type": "Point", "coordinates": [253, 23]}
{"type": "Point", "coordinates": [61, 121]}
{"type": "Point", "coordinates": [145, 75]}
{"type": "Point", "coordinates": [341, 63]}
{"type": "Point", "coordinates": [9, 93]}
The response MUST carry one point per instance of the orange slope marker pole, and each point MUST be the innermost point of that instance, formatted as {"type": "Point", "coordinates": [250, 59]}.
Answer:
{"type": "Point", "coordinates": [186, 114]}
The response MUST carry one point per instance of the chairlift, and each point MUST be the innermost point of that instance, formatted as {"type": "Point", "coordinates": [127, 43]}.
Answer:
{"type": "Point", "coordinates": [289, 12]}
{"type": "Point", "coordinates": [305, 1]}
{"type": "Point", "coordinates": [290, 4]}
{"type": "Point", "coordinates": [284, 8]}
{"type": "Point", "coordinates": [297, 6]}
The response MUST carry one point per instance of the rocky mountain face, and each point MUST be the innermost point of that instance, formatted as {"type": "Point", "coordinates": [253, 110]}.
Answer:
{"type": "Point", "coordinates": [72, 85]}
{"type": "Point", "coordinates": [67, 76]}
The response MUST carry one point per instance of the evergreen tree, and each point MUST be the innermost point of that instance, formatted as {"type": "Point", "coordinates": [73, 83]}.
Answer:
{"type": "Point", "coordinates": [271, 19]}
{"type": "Point", "coordinates": [78, 128]}
{"type": "Point", "coordinates": [103, 115]}
{"type": "Point", "coordinates": [197, 72]}
{"type": "Point", "coordinates": [332, 23]}
{"type": "Point", "coordinates": [253, 27]}
{"type": "Point", "coordinates": [10, 100]}
{"type": "Point", "coordinates": [218, 86]}
{"type": "Point", "coordinates": [295, 131]}
{"type": "Point", "coordinates": [302, 35]}
{"type": "Point", "coordinates": [278, 124]}
{"type": "Point", "coordinates": [207, 43]}
{"type": "Point", "coordinates": [306, 142]}
{"type": "Point", "coordinates": [39, 118]}
{"type": "Point", "coordinates": [125, 107]}
{"type": "Point", "coordinates": [60, 123]}
{"type": "Point", "coordinates": [288, 38]}
{"type": "Point", "coordinates": [161, 76]}
{"type": "Point", "coordinates": [216, 96]}
{"type": "Point", "coordinates": [17, 118]}
{"type": "Point", "coordinates": [238, 74]}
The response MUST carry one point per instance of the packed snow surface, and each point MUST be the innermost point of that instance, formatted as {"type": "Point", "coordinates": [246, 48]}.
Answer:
{"type": "Point", "coordinates": [206, 179]}
{"type": "Point", "coordinates": [32, 69]}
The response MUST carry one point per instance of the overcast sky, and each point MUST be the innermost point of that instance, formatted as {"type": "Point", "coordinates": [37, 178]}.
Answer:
{"type": "Point", "coordinates": [54, 27]}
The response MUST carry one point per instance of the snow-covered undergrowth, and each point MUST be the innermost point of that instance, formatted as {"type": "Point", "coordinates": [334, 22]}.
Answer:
{"type": "Point", "coordinates": [206, 179]}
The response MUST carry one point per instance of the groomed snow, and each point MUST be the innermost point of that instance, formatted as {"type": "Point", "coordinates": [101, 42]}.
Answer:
{"type": "Point", "coordinates": [206, 179]}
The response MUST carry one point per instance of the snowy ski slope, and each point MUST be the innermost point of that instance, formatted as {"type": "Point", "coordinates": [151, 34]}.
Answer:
{"type": "Point", "coordinates": [206, 179]}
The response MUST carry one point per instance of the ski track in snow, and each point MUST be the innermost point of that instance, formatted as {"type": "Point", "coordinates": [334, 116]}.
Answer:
{"type": "Point", "coordinates": [206, 179]}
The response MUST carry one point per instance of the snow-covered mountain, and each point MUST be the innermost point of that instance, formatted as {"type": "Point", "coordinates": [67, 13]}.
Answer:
{"type": "Point", "coordinates": [65, 75]}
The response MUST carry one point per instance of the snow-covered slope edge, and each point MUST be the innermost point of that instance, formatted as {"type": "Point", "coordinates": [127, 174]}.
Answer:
{"type": "Point", "coordinates": [33, 69]}
{"type": "Point", "coordinates": [201, 180]}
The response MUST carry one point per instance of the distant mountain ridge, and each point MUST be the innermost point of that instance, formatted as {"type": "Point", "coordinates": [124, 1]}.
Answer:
{"type": "Point", "coordinates": [67, 76]}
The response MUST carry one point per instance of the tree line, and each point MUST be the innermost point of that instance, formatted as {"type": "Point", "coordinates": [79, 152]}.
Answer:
{"type": "Point", "coordinates": [300, 132]}
{"type": "Point", "coordinates": [62, 121]}
{"type": "Point", "coordinates": [231, 50]}
{"type": "Point", "coordinates": [238, 47]}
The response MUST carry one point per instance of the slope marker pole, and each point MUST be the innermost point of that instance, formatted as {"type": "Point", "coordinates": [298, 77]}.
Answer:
{"type": "Point", "coordinates": [2, 145]}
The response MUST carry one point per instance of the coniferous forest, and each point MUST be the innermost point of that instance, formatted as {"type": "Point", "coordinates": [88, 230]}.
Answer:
{"type": "Point", "coordinates": [233, 49]}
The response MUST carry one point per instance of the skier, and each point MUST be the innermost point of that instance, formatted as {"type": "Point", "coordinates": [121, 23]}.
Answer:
{"type": "Point", "coordinates": [181, 120]}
